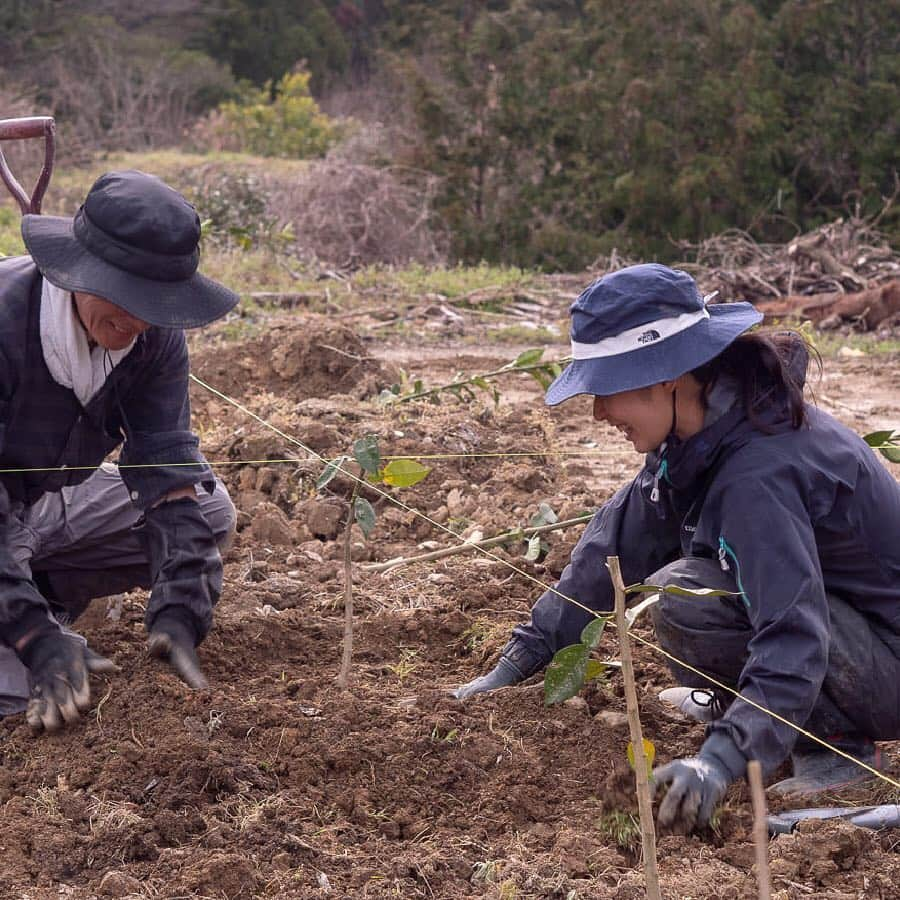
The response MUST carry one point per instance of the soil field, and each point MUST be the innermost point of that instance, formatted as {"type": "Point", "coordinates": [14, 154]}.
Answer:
{"type": "Point", "coordinates": [274, 783]}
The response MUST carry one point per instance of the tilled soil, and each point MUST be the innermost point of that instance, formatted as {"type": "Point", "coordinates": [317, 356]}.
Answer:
{"type": "Point", "coordinates": [275, 783]}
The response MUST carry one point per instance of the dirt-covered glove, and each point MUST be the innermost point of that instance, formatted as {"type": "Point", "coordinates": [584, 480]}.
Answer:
{"type": "Point", "coordinates": [502, 675]}
{"type": "Point", "coordinates": [695, 786]}
{"type": "Point", "coordinates": [59, 664]}
{"type": "Point", "coordinates": [172, 638]}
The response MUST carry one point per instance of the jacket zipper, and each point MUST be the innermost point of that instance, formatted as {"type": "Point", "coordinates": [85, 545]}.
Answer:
{"type": "Point", "coordinates": [725, 551]}
{"type": "Point", "coordinates": [661, 471]}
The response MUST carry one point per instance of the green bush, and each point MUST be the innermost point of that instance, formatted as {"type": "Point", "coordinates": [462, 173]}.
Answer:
{"type": "Point", "coordinates": [290, 125]}
{"type": "Point", "coordinates": [10, 236]}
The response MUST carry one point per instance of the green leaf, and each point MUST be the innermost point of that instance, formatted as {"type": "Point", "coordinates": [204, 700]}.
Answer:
{"type": "Point", "coordinates": [591, 633]}
{"type": "Point", "coordinates": [649, 753]}
{"type": "Point", "coordinates": [364, 514]}
{"type": "Point", "coordinates": [545, 515]}
{"type": "Point", "coordinates": [877, 438]}
{"type": "Point", "coordinates": [418, 387]}
{"type": "Point", "coordinates": [403, 473]}
{"type": "Point", "coordinates": [892, 454]}
{"type": "Point", "coordinates": [482, 383]}
{"type": "Point", "coordinates": [541, 377]}
{"type": "Point", "coordinates": [366, 453]}
{"type": "Point", "coordinates": [528, 358]}
{"type": "Point", "coordinates": [330, 471]}
{"type": "Point", "coordinates": [594, 669]}
{"type": "Point", "coordinates": [565, 674]}
{"type": "Point", "coordinates": [534, 548]}
{"type": "Point", "coordinates": [679, 591]}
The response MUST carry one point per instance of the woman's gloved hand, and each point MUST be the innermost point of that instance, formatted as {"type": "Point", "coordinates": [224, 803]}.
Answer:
{"type": "Point", "coordinates": [59, 664]}
{"type": "Point", "coordinates": [695, 786]}
{"type": "Point", "coordinates": [173, 639]}
{"type": "Point", "coordinates": [504, 674]}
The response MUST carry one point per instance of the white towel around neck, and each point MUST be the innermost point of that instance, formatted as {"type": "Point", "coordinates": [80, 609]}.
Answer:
{"type": "Point", "coordinates": [72, 362]}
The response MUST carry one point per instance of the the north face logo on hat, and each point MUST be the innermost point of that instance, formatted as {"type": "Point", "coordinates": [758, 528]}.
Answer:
{"type": "Point", "coordinates": [648, 336]}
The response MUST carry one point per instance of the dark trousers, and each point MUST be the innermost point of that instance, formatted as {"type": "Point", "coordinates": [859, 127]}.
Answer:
{"type": "Point", "coordinates": [79, 544]}
{"type": "Point", "coordinates": [860, 695]}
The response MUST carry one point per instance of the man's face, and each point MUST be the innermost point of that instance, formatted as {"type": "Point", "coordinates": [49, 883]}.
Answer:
{"type": "Point", "coordinates": [107, 324]}
{"type": "Point", "coordinates": [644, 415]}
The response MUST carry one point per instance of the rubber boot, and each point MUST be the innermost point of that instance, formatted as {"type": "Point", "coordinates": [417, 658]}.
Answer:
{"type": "Point", "coordinates": [818, 770]}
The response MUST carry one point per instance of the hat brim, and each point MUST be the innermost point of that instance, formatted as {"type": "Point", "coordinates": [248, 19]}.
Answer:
{"type": "Point", "coordinates": [663, 361]}
{"type": "Point", "coordinates": [63, 261]}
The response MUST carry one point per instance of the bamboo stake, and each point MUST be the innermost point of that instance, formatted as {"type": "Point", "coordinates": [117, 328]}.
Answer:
{"type": "Point", "coordinates": [645, 806]}
{"type": "Point", "coordinates": [760, 829]}
{"type": "Point", "coordinates": [343, 678]}
{"type": "Point", "coordinates": [475, 545]}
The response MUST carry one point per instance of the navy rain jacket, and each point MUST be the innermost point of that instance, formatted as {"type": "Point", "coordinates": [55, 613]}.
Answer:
{"type": "Point", "coordinates": [792, 515]}
{"type": "Point", "coordinates": [43, 426]}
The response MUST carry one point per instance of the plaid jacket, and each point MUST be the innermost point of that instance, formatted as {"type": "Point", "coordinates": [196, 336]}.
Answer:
{"type": "Point", "coordinates": [144, 403]}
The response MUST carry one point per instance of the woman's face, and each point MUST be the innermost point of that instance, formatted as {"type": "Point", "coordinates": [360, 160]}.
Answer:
{"type": "Point", "coordinates": [644, 415]}
{"type": "Point", "coordinates": [107, 324]}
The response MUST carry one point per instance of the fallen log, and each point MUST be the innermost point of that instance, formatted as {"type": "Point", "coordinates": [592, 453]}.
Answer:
{"type": "Point", "coordinates": [865, 309]}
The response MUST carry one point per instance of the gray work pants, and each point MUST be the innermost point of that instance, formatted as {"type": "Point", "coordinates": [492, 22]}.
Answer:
{"type": "Point", "coordinates": [861, 691]}
{"type": "Point", "coordinates": [79, 544]}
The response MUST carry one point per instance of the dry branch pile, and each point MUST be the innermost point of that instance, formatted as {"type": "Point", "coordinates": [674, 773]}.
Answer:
{"type": "Point", "coordinates": [843, 256]}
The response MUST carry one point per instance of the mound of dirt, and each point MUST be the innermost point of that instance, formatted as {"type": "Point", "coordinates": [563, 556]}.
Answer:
{"type": "Point", "coordinates": [293, 359]}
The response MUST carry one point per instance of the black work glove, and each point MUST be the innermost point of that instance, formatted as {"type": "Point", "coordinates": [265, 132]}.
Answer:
{"type": "Point", "coordinates": [502, 675]}
{"type": "Point", "coordinates": [695, 787]}
{"type": "Point", "coordinates": [173, 638]}
{"type": "Point", "coordinates": [59, 664]}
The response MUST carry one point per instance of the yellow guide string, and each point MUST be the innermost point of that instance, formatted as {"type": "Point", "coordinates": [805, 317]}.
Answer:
{"type": "Point", "coordinates": [537, 581]}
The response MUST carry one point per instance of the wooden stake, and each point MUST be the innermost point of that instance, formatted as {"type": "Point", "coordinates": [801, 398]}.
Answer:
{"type": "Point", "coordinates": [645, 806]}
{"type": "Point", "coordinates": [343, 678]}
{"type": "Point", "coordinates": [760, 829]}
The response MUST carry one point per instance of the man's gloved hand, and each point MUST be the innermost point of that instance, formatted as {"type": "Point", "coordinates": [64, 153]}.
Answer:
{"type": "Point", "coordinates": [173, 639]}
{"type": "Point", "coordinates": [503, 674]}
{"type": "Point", "coordinates": [695, 787]}
{"type": "Point", "coordinates": [59, 664]}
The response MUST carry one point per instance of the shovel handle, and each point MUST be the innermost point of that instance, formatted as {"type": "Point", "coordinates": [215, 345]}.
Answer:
{"type": "Point", "coordinates": [23, 129]}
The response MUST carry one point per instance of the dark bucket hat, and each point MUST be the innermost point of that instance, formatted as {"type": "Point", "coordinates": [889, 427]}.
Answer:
{"type": "Point", "coordinates": [134, 242]}
{"type": "Point", "coordinates": [643, 325]}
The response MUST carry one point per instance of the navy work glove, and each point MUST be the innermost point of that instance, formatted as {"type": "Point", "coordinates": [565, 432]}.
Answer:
{"type": "Point", "coordinates": [173, 638]}
{"type": "Point", "coordinates": [502, 675]}
{"type": "Point", "coordinates": [695, 786]}
{"type": "Point", "coordinates": [59, 664]}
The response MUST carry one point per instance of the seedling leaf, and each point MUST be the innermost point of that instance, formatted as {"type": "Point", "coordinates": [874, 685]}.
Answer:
{"type": "Point", "coordinates": [544, 516]}
{"type": "Point", "coordinates": [590, 635]}
{"type": "Point", "coordinates": [366, 453]}
{"type": "Point", "coordinates": [877, 438]}
{"type": "Point", "coordinates": [403, 473]}
{"type": "Point", "coordinates": [528, 358]}
{"type": "Point", "coordinates": [330, 471]}
{"type": "Point", "coordinates": [534, 548]}
{"type": "Point", "coordinates": [364, 514]}
{"type": "Point", "coordinates": [565, 674]}
{"type": "Point", "coordinates": [594, 669]}
{"type": "Point", "coordinates": [649, 752]}
{"type": "Point", "coordinates": [886, 442]}
{"type": "Point", "coordinates": [679, 591]}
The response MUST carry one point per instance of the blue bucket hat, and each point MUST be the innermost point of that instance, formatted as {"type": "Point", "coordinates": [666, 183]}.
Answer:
{"type": "Point", "coordinates": [643, 325]}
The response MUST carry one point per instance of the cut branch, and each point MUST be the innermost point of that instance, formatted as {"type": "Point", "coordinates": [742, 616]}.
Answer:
{"type": "Point", "coordinates": [505, 538]}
